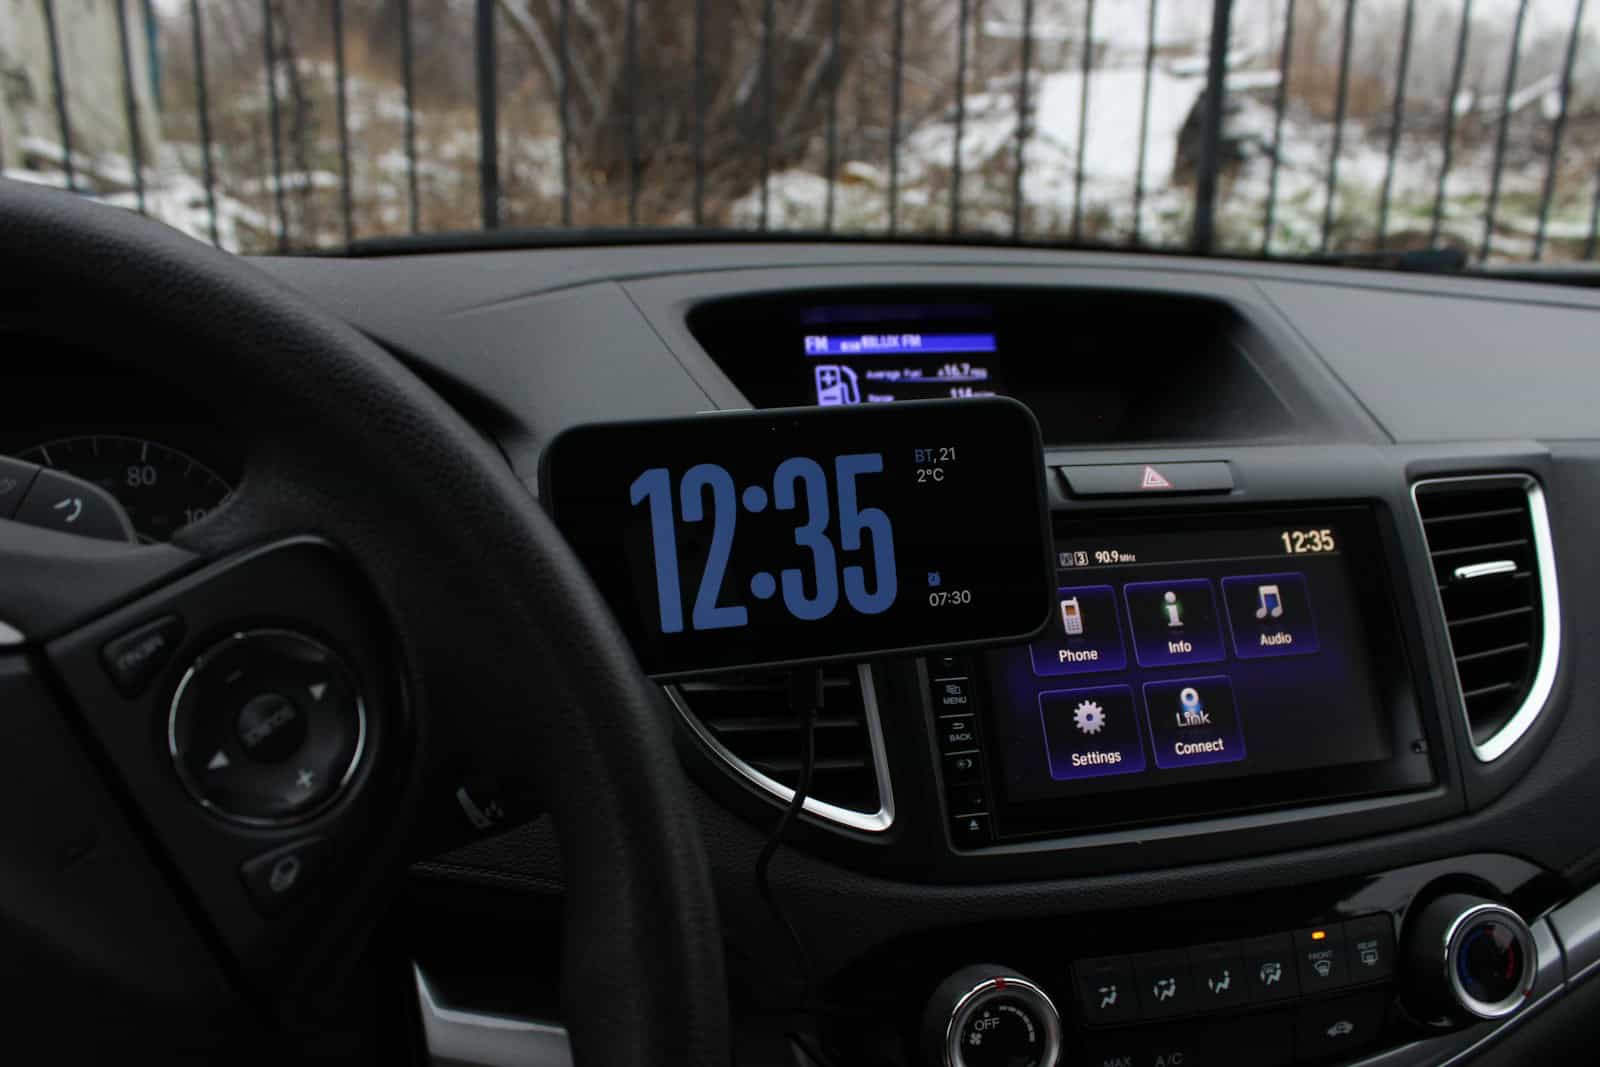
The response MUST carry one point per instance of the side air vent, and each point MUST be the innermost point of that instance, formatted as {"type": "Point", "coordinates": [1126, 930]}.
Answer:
{"type": "Point", "coordinates": [744, 719]}
{"type": "Point", "coordinates": [1489, 539]}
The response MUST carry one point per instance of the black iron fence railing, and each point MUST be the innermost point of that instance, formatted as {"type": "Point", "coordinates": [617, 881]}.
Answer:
{"type": "Point", "coordinates": [553, 23]}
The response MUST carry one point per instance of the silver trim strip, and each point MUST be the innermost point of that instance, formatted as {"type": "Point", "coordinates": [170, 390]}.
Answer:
{"type": "Point", "coordinates": [10, 635]}
{"type": "Point", "coordinates": [1544, 678]}
{"type": "Point", "coordinates": [1484, 570]}
{"type": "Point", "coordinates": [873, 823]}
{"type": "Point", "coordinates": [473, 1039]}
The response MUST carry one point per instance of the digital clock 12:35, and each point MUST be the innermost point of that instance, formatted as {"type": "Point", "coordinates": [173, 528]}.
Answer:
{"type": "Point", "coordinates": [800, 535]}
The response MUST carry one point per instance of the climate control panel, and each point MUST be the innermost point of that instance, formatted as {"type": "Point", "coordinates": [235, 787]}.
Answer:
{"type": "Point", "coordinates": [1271, 969]}
{"type": "Point", "coordinates": [1422, 957]}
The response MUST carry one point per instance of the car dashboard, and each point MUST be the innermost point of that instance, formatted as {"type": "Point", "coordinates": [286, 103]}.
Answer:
{"type": "Point", "coordinates": [1314, 676]}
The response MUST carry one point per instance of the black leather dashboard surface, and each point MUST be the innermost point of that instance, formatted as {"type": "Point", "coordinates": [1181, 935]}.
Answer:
{"type": "Point", "coordinates": [1422, 374]}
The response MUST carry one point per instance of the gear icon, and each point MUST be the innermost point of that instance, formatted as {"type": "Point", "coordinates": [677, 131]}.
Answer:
{"type": "Point", "coordinates": [1089, 717]}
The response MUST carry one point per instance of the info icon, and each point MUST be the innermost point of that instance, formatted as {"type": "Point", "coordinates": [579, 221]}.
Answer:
{"type": "Point", "coordinates": [1174, 622]}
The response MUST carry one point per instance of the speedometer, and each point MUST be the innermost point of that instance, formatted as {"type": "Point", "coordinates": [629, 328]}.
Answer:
{"type": "Point", "coordinates": [162, 489]}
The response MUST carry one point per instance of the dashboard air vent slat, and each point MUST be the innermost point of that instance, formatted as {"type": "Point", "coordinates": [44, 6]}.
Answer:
{"type": "Point", "coordinates": [745, 714]}
{"type": "Point", "coordinates": [1485, 538]}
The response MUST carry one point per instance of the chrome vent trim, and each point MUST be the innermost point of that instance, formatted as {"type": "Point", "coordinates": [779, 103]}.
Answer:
{"type": "Point", "coordinates": [1544, 678]}
{"type": "Point", "coordinates": [870, 822]}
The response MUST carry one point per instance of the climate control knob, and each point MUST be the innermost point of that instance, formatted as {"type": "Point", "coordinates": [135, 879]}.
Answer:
{"type": "Point", "coordinates": [989, 1016]}
{"type": "Point", "coordinates": [1467, 959]}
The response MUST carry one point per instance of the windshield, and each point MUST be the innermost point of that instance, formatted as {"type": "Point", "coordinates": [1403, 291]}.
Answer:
{"type": "Point", "coordinates": [306, 125]}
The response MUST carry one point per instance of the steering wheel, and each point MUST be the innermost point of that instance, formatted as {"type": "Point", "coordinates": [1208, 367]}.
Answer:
{"type": "Point", "coordinates": [375, 525]}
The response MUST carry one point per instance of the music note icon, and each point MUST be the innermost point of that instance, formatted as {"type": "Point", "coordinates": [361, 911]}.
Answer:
{"type": "Point", "coordinates": [1271, 602]}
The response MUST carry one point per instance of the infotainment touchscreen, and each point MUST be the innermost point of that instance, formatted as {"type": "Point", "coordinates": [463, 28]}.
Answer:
{"type": "Point", "coordinates": [1202, 663]}
{"type": "Point", "coordinates": [763, 538]}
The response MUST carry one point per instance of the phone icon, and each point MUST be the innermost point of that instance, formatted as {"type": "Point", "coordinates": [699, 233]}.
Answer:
{"type": "Point", "coordinates": [1072, 617]}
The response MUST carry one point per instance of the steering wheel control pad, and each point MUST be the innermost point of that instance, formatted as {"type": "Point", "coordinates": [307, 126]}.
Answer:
{"type": "Point", "coordinates": [266, 727]}
{"type": "Point", "coordinates": [253, 738]}
{"type": "Point", "coordinates": [463, 615]}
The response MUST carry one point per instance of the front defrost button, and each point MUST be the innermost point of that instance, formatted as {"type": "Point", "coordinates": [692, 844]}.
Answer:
{"type": "Point", "coordinates": [1320, 957]}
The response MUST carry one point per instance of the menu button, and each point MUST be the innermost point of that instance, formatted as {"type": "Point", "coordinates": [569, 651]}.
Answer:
{"type": "Point", "coordinates": [952, 694]}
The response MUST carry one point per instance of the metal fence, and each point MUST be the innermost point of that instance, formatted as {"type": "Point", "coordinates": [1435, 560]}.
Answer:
{"type": "Point", "coordinates": [1203, 230]}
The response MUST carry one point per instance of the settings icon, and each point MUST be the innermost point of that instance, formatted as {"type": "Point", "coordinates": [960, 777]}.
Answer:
{"type": "Point", "coordinates": [1089, 717]}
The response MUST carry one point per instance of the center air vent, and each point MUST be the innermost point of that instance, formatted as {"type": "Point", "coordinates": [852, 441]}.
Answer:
{"type": "Point", "coordinates": [1489, 540]}
{"type": "Point", "coordinates": [745, 720]}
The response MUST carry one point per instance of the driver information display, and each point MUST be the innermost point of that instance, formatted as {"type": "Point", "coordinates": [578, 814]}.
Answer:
{"type": "Point", "coordinates": [877, 368]}
{"type": "Point", "coordinates": [759, 538]}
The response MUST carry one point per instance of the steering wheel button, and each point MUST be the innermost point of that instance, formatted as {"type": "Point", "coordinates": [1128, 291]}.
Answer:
{"type": "Point", "coordinates": [136, 657]}
{"type": "Point", "coordinates": [271, 728]}
{"type": "Point", "coordinates": [266, 727]}
{"type": "Point", "coordinates": [276, 879]}
{"type": "Point", "coordinates": [71, 505]}
{"type": "Point", "coordinates": [15, 478]}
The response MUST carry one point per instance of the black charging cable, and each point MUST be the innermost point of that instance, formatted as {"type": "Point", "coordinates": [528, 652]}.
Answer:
{"type": "Point", "coordinates": [805, 701]}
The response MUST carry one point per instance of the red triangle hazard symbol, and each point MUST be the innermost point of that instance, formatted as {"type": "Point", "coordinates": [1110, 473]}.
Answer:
{"type": "Point", "coordinates": [1154, 479]}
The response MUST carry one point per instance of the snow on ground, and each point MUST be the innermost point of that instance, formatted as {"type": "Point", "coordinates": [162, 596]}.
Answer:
{"type": "Point", "coordinates": [1110, 172]}
{"type": "Point", "coordinates": [171, 194]}
{"type": "Point", "coordinates": [1058, 146]}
